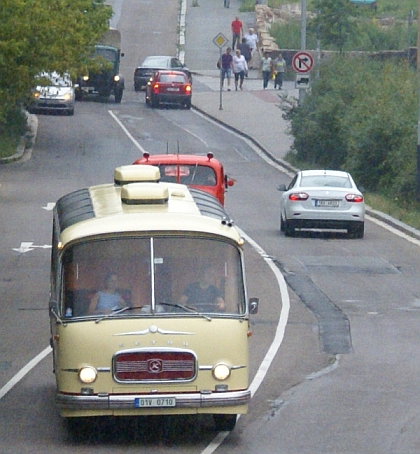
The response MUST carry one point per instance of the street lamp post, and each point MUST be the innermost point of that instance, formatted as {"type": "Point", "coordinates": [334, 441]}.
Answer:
{"type": "Point", "coordinates": [418, 122]}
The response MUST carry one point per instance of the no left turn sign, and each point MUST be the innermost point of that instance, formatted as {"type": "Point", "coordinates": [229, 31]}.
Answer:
{"type": "Point", "coordinates": [302, 62]}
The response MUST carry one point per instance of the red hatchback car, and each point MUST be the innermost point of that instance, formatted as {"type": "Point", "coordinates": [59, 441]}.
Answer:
{"type": "Point", "coordinates": [169, 87]}
{"type": "Point", "coordinates": [200, 172]}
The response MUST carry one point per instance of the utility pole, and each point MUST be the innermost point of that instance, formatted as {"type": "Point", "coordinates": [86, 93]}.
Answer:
{"type": "Point", "coordinates": [302, 91]}
{"type": "Point", "coordinates": [418, 122]}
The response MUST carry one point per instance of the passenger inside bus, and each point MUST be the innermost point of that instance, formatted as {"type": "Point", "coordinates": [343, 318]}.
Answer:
{"type": "Point", "coordinates": [202, 294]}
{"type": "Point", "coordinates": [108, 299]}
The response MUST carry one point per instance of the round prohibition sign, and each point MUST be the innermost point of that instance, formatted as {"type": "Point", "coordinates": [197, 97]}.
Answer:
{"type": "Point", "coordinates": [302, 62]}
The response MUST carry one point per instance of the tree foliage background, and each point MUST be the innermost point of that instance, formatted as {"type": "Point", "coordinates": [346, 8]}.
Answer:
{"type": "Point", "coordinates": [44, 35]}
{"type": "Point", "coordinates": [334, 22]}
{"type": "Point", "coordinates": [360, 116]}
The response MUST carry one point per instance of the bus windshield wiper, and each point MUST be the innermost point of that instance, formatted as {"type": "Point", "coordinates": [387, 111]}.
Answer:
{"type": "Point", "coordinates": [119, 311]}
{"type": "Point", "coordinates": [186, 309]}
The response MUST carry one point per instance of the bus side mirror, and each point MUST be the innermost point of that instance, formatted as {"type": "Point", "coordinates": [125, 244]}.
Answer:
{"type": "Point", "coordinates": [53, 307]}
{"type": "Point", "coordinates": [253, 305]}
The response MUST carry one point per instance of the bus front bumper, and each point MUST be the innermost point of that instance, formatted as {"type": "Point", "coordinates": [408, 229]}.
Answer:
{"type": "Point", "coordinates": [101, 402]}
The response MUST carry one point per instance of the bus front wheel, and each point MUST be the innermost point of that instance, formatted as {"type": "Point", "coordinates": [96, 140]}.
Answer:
{"type": "Point", "coordinates": [225, 423]}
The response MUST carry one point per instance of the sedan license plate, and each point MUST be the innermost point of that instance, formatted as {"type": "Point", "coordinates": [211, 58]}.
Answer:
{"type": "Point", "coordinates": [172, 89]}
{"type": "Point", "coordinates": [154, 402]}
{"type": "Point", "coordinates": [326, 203]}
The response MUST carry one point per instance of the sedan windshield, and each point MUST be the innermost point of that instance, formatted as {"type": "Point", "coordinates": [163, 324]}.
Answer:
{"type": "Point", "coordinates": [155, 62]}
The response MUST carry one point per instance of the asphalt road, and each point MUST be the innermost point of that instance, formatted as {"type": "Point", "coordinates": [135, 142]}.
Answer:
{"type": "Point", "coordinates": [345, 377]}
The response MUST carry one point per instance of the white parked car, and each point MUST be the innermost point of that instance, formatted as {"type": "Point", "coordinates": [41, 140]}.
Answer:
{"type": "Point", "coordinates": [322, 199]}
{"type": "Point", "coordinates": [54, 93]}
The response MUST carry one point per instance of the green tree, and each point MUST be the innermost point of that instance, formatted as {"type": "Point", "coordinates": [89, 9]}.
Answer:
{"type": "Point", "coordinates": [360, 116]}
{"type": "Point", "coordinates": [334, 22]}
{"type": "Point", "coordinates": [44, 35]}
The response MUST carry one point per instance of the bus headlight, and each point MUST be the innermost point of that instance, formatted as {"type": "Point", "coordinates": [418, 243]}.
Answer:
{"type": "Point", "coordinates": [221, 371]}
{"type": "Point", "coordinates": [87, 374]}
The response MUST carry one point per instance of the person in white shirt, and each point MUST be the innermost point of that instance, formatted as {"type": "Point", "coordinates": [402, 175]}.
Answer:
{"type": "Point", "coordinates": [240, 67]}
{"type": "Point", "coordinates": [252, 41]}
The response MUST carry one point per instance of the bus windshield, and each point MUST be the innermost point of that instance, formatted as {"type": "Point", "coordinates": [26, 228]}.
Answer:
{"type": "Point", "coordinates": [148, 276]}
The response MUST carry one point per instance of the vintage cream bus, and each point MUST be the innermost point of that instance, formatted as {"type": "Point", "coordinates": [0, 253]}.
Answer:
{"type": "Point", "coordinates": [149, 312]}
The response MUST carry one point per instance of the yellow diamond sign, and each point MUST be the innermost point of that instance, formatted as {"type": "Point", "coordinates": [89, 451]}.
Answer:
{"type": "Point", "coordinates": [220, 40]}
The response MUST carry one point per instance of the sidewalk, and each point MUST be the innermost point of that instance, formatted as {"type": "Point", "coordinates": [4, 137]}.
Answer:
{"type": "Point", "coordinates": [253, 112]}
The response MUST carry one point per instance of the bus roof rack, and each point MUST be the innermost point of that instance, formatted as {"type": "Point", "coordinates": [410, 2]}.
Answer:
{"type": "Point", "coordinates": [136, 174]}
{"type": "Point", "coordinates": [144, 194]}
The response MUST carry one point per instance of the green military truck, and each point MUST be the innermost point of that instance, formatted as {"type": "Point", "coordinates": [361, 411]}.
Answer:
{"type": "Point", "coordinates": [105, 80]}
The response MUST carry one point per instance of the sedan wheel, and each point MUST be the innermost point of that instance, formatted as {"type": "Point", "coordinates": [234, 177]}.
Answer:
{"type": "Point", "coordinates": [154, 102]}
{"type": "Point", "coordinates": [289, 229]}
{"type": "Point", "coordinates": [357, 230]}
{"type": "Point", "coordinates": [282, 224]}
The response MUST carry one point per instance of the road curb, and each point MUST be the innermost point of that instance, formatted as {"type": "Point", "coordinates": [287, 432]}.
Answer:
{"type": "Point", "coordinates": [26, 143]}
{"type": "Point", "coordinates": [278, 161]}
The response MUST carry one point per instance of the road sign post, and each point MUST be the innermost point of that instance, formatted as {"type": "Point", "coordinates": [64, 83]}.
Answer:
{"type": "Point", "coordinates": [220, 40]}
{"type": "Point", "coordinates": [302, 63]}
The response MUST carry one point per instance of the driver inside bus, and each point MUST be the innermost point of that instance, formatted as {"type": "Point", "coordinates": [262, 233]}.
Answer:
{"type": "Point", "coordinates": [203, 295]}
{"type": "Point", "coordinates": [108, 299]}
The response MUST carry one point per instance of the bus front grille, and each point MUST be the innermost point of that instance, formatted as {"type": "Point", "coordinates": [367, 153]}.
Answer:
{"type": "Point", "coordinates": [155, 366]}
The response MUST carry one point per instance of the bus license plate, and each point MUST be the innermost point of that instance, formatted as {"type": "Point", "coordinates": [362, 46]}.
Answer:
{"type": "Point", "coordinates": [326, 203]}
{"type": "Point", "coordinates": [154, 402]}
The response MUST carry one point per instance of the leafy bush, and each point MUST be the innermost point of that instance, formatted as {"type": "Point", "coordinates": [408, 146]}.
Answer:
{"type": "Point", "coordinates": [368, 35]}
{"type": "Point", "coordinates": [360, 116]}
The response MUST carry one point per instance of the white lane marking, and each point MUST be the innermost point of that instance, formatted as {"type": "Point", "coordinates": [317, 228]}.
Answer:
{"type": "Point", "coordinates": [28, 246]}
{"type": "Point", "coordinates": [275, 345]}
{"type": "Point", "coordinates": [393, 230]}
{"type": "Point", "coordinates": [50, 206]}
{"type": "Point", "coordinates": [16, 379]}
{"type": "Point", "coordinates": [189, 132]}
{"type": "Point", "coordinates": [126, 131]}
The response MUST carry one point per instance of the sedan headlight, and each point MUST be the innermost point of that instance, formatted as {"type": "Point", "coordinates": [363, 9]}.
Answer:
{"type": "Point", "coordinates": [221, 372]}
{"type": "Point", "coordinates": [88, 374]}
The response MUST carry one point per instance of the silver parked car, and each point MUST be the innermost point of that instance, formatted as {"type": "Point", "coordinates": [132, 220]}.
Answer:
{"type": "Point", "coordinates": [326, 199]}
{"type": "Point", "coordinates": [54, 93]}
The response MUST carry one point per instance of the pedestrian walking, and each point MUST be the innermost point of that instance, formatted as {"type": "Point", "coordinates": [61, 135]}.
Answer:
{"type": "Point", "coordinates": [226, 3]}
{"type": "Point", "coordinates": [226, 67]}
{"type": "Point", "coordinates": [237, 32]}
{"type": "Point", "coordinates": [266, 68]}
{"type": "Point", "coordinates": [246, 52]}
{"type": "Point", "coordinates": [279, 67]}
{"type": "Point", "coordinates": [252, 41]}
{"type": "Point", "coordinates": [239, 68]}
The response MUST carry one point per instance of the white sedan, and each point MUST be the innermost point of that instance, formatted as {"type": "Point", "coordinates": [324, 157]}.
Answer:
{"type": "Point", "coordinates": [322, 199]}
